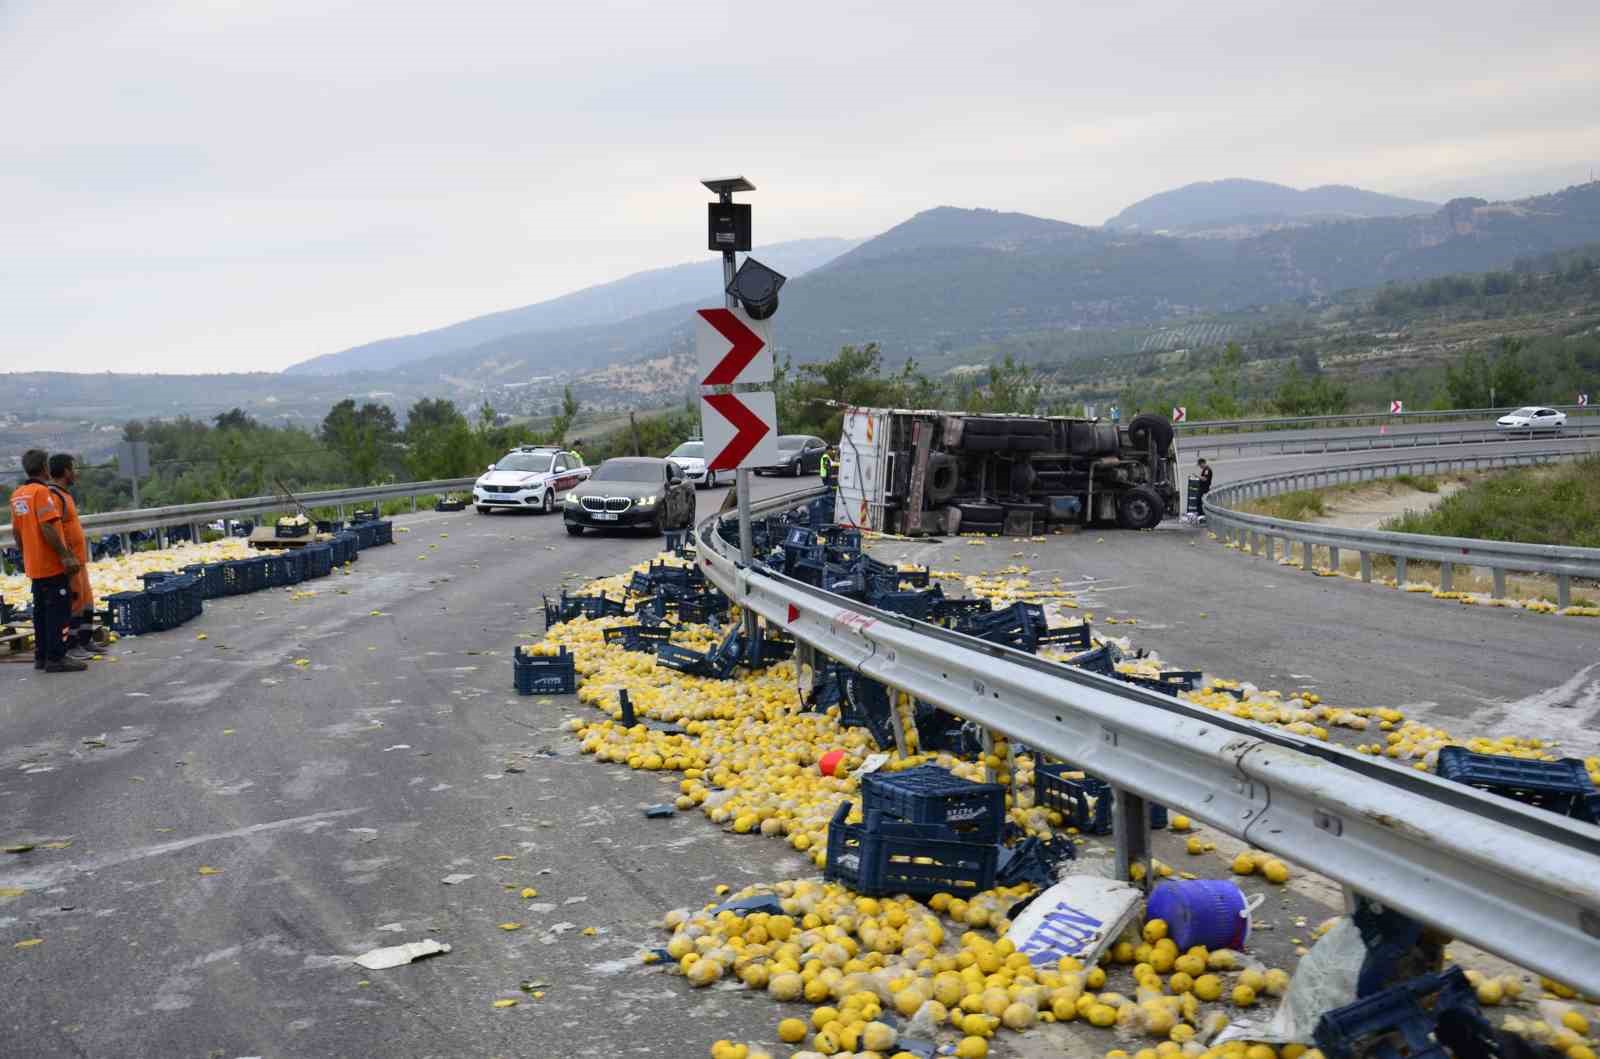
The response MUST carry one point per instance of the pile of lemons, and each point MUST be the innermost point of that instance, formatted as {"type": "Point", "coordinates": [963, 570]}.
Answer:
{"type": "Point", "coordinates": [851, 959]}
{"type": "Point", "coordinates": [123, 573]}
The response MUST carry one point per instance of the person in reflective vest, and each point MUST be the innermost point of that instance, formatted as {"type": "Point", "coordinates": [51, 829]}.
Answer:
{"type": "Point", "coordinates": [824, 466]}
{"type": "Point", "coordinates": [48, 562]}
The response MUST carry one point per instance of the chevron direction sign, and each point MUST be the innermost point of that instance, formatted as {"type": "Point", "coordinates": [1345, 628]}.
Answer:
{"type": "Point", "coordinates": [741, 430]}
{"type": "Point", "coordinates": [731, 347]}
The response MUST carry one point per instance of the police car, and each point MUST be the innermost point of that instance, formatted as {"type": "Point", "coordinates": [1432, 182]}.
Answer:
{"type": "Point", "coordinates": [528, 478]}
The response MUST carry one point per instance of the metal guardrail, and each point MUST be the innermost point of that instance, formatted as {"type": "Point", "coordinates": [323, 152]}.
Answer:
{"type": "Point", "coordinates": [1506, 877]}
{"type": "Point", "coordinates": [1286, 442]}
{"type": "Point", "coordinates": [1356, 418]}
{"type": "Point", "coordinates": [1258, 534]}
{"type": "Point", "coordinates": [192, 514]}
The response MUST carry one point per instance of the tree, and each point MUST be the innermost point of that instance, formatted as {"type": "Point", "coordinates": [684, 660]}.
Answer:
{"type": "Point", "coordinates": [1012, 387]}
{"type": "Point", "coordinates": [235, 419]}
{"type": "Point", "coordinates": [364, 437]}
{"type": "Point", "coordinates": [561, 422]}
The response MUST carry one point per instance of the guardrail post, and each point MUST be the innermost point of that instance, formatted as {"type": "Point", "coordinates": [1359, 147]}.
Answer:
{"type": "Point", "coordinates": [1400, 571]}
{"type": "Point", "coordinates": [413, 503]}
{"type": "Point", "coordinates": [1563, 591]}
{"type": "Point", "coordinates": [1447, 577]}
{"type": "Point", "coordinates": [1366, 567]}
{"type": "Point", "coordinates": [1499, 582]}
{"type": "Point", "coordinates": [1333, 558]}
{"type": "Point", "coordinates": [1270, 546]}
{"type": "Point", "coordinates": [1130, 820]}
{"type": "Point", "coordinates": [1308, 554]}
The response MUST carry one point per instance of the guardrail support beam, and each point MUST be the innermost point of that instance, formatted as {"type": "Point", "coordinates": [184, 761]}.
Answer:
{"type": "Point", "coordinates": [1400, 571]}
{"type": "Point", "coordinates": [1499, 583]}
{"type": "Point", "coordinates": [1447, 577]}
{"type": "Point", "coordinates": [1563, 591]}
{"type": "Point", "coordinates": [1308, 554]}
{"type": "Point", "coordinates": [1333, 558]}
{"type": "Point", "coordinates": [1130, 822]}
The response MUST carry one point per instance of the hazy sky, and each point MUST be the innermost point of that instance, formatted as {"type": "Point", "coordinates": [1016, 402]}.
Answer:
{"type": "Point", "coordinates": [226, 186]}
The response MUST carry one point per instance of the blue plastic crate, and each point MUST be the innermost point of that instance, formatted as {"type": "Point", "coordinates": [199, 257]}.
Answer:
{"type": "Point", "coordinates": [130, 613]}
{"type": "Point", "coordinates": [210, 576]}
{"type": "Point", "coordinates": [637, 637]}
{"type": "Point", "coordinates": [544, 675]}
{"type": "Point", "coordinates": [276, 568]}
{"type": "Point", "coordinates": [319, 560]}
{"type": "Point", "coordinates": [881, 857]}
{"type": "Point", "coordinates": [366, 534]}
{"type": "Point", "coordinates": [1086, 803]}
{"type": "Point", "coordinates": [866, 705]}
{"type": "Point", "coordinates": [383, 531]}
{"type": "Point", "coordinates": [294, 566]}
{"type": "Point", "coordinates": [928, 794]}
{"type": "Point", "coordinates": [166, 605]}
{"type": "Point", "coordinates": [191, 596]}
{"type": "Point", "coordinates": [1559, 786]}
{"type": "Point", "coordinates": [344, 547]}
{"type": "Point", "coordinates": [1368, 1026]}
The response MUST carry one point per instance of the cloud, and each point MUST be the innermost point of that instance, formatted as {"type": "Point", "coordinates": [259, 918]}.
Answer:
{"type": "Point", "coordinates": [222, 186]}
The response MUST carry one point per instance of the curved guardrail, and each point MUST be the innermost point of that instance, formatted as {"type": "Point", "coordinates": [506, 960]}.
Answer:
{"type": "Point", "coordinates": [1286, 442]}
{"type": "Point", "coordinates": [1354, 418]}
{"type": "Point", "coordinates": [1503, 876]}
{"type": "Point", "coordinates": [189, 514]}
{"type": "Point", "coordinates": [1260, 534]}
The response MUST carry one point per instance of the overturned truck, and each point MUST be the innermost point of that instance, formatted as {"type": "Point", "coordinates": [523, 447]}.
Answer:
{"type": "Point", "coordinates": [927, 472]}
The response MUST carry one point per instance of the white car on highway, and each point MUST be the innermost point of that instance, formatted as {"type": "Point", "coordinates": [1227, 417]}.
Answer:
{"type": "Point", "coordinates": [531, 478]}
{"type": "Point", "coordinates": [691, 460]}
{"type": "Point", "coordinates": [1532, 417]}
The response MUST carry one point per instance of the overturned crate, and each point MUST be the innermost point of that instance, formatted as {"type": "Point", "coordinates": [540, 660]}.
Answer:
{"type": "Point", "coordinates": [533, 674]}
{"type": "Point", "coordinates": [879, 857]}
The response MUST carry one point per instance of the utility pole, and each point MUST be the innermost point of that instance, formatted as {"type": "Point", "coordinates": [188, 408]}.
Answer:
{"type": "Point", "coordinates": [741, 476]}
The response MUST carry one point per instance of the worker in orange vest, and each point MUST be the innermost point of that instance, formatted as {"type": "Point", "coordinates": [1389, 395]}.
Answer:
{"type": "Point", "coordinates": [48, 562]}
{"type": "Point", "coordinates": [80, 628]}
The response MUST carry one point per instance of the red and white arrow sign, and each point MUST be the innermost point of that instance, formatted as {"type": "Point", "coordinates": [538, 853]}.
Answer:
{"type": "Point", "coordinates": [741, 430]}
{"type": "Point", "coordinates": [731, 347]}
{"type": "Point", "coordinates": [1396, 407]}
{"type": "Point", "coordinates": [1583, 400]}
{"type": "Point", "coordinates": [1180, 414]}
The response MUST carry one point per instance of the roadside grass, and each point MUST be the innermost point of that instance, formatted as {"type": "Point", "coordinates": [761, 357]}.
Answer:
{"type": "Point", "coordinates": [1558, 504]}
{"type": "Point", "coordinates": [1304, 504]}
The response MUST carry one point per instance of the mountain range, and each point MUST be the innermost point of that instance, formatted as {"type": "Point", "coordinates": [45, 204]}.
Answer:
{"type": "Point", "coordinates": [951, 279]}
{"type": "Point", "coordinates": [1224, 207]}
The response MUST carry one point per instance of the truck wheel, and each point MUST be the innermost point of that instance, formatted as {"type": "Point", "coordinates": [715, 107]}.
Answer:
{"type": "Point", "coordinates": [1147, 428]}
{"type": "Point", "coordinates": [942, 477]}
{"type": "Point", "coordinates": [1140, 508]}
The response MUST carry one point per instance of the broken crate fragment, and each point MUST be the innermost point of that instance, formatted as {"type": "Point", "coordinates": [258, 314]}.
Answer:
{"type": "Point", "coordinates": [659, 810]}
{"type": "Point", "coordinates": [399, 955]}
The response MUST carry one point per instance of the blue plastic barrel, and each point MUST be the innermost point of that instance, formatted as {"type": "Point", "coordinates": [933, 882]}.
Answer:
{"type": "Point", "coordinates": [1209, 912]}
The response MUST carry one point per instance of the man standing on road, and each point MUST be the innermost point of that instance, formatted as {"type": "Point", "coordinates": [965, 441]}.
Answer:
{"type": "Point", "coordinates": [48, 562]}
{"type": "Point", "coordinates": [825, 465]}
{"type": "Point", "coordinates": [576, 454]}
{"type": "Point", "coordinates": [63, 476]}
{"type": "Point", "coordinates": [1205, 483]}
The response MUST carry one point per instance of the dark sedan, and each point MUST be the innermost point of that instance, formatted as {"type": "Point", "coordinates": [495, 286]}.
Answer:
{"type": "Point", "coordinates": [631, 491]}
{"type": "Point", "coordinates": [797, 454]}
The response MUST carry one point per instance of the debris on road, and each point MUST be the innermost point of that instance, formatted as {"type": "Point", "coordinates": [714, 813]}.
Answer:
{"type": "Point", "coordinates": [399, 955]}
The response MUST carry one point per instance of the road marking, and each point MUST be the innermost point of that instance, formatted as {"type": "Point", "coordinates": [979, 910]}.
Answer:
{"type": "Point", "coordinates": [1569, 712]}
{"type": "Point", "coordinates": [46, 876]}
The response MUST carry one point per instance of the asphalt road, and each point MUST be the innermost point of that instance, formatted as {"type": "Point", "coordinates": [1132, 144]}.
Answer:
{"type": "Point", "coordinates": [335, 764]}
{"type": "Point", "coordinates": [333, 796]}
{"type": "Point", "coordinates": [1470, 670]}
{"type": "Point", "coordinates": [1381, 435]}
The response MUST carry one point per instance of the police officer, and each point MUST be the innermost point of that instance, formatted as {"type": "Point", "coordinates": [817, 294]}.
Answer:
{"type": "Point", "coordinates": [48, 562]}
{"type": "Point", "coordinates": [1205, 483]}
{"type": "Point", "coordinates": [825, 465]}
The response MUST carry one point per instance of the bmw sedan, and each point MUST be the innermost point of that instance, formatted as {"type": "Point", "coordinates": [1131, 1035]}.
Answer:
{"type": "Point", "coordinates": [631, 491]}
{"type": "Point", "coordinates": [528, 479]}
{"type": "Point", "coordinates": [1531, 418]}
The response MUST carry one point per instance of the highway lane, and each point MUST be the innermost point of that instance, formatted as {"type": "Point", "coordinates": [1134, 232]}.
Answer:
{"type": "Point", "coordinates": [1382, 434]}
{"type": "Point", "coordinates": [334, 757]}
{"type": "Point", "coordinates": [1470, 670]}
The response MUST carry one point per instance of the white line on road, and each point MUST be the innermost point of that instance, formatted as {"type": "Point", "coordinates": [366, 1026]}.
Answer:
{"type": "Point", "coordinates": [47, 876]}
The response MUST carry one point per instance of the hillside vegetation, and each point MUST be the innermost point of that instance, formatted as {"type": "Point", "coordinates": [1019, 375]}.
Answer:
{"type": "Point", "coordinates": [1558, 505]}
{"type": "Point", "coordinates": [1217, 205]}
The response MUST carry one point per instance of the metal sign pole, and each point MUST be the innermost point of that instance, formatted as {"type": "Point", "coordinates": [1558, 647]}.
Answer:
{"type": "Point", "coordinates": [741, 476]}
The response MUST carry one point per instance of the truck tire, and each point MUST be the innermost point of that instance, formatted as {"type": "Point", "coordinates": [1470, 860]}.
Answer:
{"type": "Point", "coordinates": [1147, 428]}
{"type": "Point", "coordinates": [1140, 508]}
{"type": "Point", "coordinates": [943, 477]}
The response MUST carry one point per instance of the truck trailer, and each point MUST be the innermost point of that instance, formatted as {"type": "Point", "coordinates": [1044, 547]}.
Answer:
{"type": "Point", "coordinates": [917, 472]}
